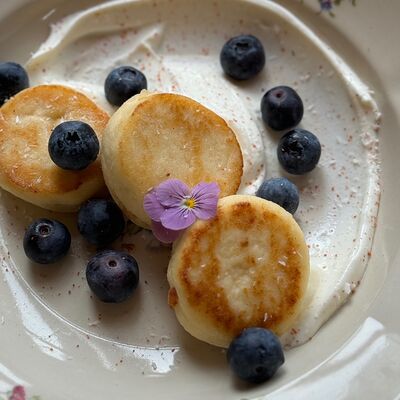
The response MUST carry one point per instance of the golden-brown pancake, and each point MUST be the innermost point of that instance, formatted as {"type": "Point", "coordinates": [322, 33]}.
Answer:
{"type": "Point", "coordinates": [247, 267]}
{"type": "Point", "coordinates": [158, 136]}
{"type": "Point", "coordinates": [26, 169]}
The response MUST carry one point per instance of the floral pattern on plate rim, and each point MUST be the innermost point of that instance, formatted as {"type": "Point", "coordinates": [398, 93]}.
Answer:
{"type": "Point", "coordinates": [17, 393]}
{"type": "Point", "coordinates": [328, 5]}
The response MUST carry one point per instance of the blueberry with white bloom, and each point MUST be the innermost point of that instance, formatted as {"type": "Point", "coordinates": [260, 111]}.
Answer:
{"type": "Point", "coordinates": [282, 192]}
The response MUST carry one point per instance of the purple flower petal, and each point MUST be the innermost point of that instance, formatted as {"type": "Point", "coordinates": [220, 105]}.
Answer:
{"type": "Point", "coordinates": [164, 235]}
{"type": "Point", "coordinates": [171, 192]}
{"type": "Point", "coordinates": [206, 197]}
{"type": "Point", "coordinates": [205, 190]}
{"type": "Point", "coordinates": [152, 206]}
{"type": "Point", "coordinates": [177, 218]}
{"type": "Point", "coordinates": [208, 212]}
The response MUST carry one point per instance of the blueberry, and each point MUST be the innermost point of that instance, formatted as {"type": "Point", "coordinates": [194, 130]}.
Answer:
{"type": "Point", "coordinates": [46, 241]}
{"type": "Point", "coordinates": [73, 145]}
{"type": "Point", "coordinates": [255, 355]}
{"type": "Point", "coordinates": [299, 151]}
{"type": "Point", "coordinates": [122, 83]}
{"type": "Point", "coordinates": [112, 275]}
{"type": "Point", "coordinates": [282, 192]}
{"type": "Point", "coordinates": [100, 221]}
{"type": "Point", "coordinates": [282, 108]}
{"type": "Point", "coordinates": [13, 79]}
{"type": "Point", "coordinates": [242, 57]}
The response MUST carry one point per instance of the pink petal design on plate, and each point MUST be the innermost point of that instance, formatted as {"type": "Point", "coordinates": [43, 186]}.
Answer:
{"type": "Point", "coordinates": [171, 192]}
{"type": "Point", "coordinates": [177, 218]}
{"type": "Point", "coordinates": [152, 206]}
{"type": "Point", "coordinates": [18, 393]}
{"type": "Point", "coordinates": [164, 235]}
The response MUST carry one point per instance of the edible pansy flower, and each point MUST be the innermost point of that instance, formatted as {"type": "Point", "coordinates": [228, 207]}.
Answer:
{"type": "Point", "coordinates": [173, 207]}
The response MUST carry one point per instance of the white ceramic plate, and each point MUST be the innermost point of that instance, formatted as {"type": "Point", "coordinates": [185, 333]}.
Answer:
{"type": "Point", "coordinates": [59, 343]}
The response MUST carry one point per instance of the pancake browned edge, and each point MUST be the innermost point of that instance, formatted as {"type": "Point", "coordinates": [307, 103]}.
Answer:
{"type": "Point", "coordinates": [158, 136]}
{"type": "Point", "coordinates": [247, 267]}
{"type": "Point", "coordinates": [26, 169]}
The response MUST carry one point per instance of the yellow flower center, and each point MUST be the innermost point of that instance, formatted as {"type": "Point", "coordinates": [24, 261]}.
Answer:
{"type": "Point", "coordinates": [190, 203]}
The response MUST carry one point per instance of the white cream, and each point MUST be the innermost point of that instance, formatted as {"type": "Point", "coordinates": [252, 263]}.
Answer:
{"type": "Point", "coordinates": [177, 43]}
